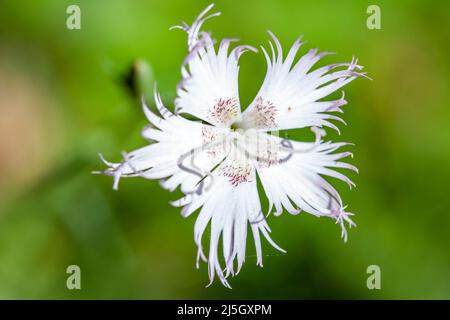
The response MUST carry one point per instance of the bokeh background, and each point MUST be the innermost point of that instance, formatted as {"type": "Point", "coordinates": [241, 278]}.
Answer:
{"type": "Point", "coordinates": [66, 95]}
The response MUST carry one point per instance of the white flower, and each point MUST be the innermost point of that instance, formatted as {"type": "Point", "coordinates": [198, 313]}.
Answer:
{"type": "Point", "coordinates": [216, 161]}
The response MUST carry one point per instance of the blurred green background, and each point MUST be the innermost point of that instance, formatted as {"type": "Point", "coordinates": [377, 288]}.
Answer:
{"type": "Point", "coordinates": [64, 97]}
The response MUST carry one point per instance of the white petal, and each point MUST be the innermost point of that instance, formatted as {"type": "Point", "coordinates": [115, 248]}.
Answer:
{"type": "Point", "coordinates": [292, 176]}
{"type": "Point", "coordinates": [183, 153]}
{"type": "Point", "coordinates": [209, 88]}
{"type": "Point", "coordinates": [289, 96]}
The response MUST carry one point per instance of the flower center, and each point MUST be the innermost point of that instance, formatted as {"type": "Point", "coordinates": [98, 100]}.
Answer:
{"type": "Point", "coordinates": [235, 126]}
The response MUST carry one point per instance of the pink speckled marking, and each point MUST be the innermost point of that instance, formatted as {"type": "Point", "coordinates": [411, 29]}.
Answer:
{"type": "Point", "coordinates": [224, 111]}
{"type": "Point", "coordinates": [210, 135]}
{"type": "Point", "coordinates": [264, 113]}
{"type": "Point", "coordinates": [237, 173]}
